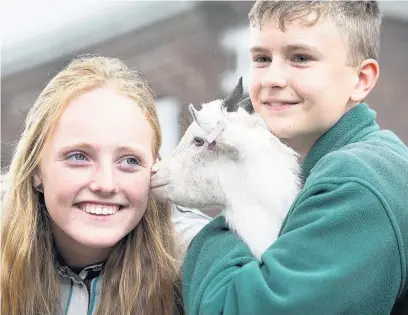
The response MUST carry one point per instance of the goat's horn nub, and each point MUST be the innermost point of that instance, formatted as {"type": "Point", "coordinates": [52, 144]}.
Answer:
{"type": "Point", "coordinates": [193, 111]}
{"type": "Point", "coordinates": [231, 101]}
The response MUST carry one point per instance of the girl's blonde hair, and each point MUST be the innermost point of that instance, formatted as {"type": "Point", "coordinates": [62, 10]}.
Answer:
{"type": "Point", "coordinates": [141, 274]}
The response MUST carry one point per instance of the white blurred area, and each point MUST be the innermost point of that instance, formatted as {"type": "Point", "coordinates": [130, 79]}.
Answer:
{"type": "Point", "coordinates": [37, 31]}
{"type": "Point", "coordinates": [169, 112]}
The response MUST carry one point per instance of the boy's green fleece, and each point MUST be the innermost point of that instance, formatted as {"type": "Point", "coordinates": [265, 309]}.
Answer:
{"type": "Point", "coordinates": [342, 248]}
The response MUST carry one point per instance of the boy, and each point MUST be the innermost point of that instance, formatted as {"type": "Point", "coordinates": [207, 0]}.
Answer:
{"type": "Point", "coordinates": [343, 247]}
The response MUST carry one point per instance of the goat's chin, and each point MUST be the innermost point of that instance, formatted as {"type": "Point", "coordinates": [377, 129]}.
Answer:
{"type": "Point", "coordinates": [160, 193]}
{"type": "Point", "coordinates": [163, 194]}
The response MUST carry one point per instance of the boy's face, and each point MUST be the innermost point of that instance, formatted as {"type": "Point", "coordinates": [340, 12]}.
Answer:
{"type": "Point", "coordinates": [300, 81]}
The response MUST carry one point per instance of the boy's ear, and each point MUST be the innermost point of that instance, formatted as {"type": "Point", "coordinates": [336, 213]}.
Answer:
{"type": "Point", "coordinates": [366, 79]}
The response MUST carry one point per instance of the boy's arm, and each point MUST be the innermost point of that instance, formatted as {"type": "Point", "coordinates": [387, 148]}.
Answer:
{"type": "Point", "coordinates": [337, 254]}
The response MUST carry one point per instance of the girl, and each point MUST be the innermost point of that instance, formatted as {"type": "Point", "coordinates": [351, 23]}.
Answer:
{"type": "Point", "coordinates": [80, 232]}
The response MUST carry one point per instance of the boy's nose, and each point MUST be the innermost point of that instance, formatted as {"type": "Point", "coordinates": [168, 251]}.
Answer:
{"type": "Point", "coordinates": [274, 77]}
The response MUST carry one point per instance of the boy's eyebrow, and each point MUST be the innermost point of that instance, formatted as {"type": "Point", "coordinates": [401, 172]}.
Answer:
{"type": "Point", "coordinates": [301, 46]}
{"type": "Point", "coordinates": [258, 49]}
{"type": "Point", "coordinates": [287, 48]}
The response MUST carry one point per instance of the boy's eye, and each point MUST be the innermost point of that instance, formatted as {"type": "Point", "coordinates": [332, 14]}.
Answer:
{"type": "Point", "coordinates": [261, 59]}
{"type": "Point", "coordinates": [301, 58]}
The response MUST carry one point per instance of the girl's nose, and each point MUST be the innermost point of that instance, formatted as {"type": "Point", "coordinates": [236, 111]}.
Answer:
{"type": "Point", "coordinates": [104, 181]}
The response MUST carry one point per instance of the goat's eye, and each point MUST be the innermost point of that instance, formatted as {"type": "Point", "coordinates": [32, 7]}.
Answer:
{"type": "Point", "coordinates": [198, 141]}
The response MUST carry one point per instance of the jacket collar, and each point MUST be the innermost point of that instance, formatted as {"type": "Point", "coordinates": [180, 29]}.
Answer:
{"type": "Point", "coordinates": [87, 272]}
{"type": "Point", "coordinates": [355, 124]}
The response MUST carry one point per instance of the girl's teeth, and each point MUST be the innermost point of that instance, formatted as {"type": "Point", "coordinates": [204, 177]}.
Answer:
{"type": "Point", "coordinates": [99, 209]}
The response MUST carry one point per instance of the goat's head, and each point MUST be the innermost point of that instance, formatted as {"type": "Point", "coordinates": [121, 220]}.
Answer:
{"type": "Point", "coordinates": [223, 140]}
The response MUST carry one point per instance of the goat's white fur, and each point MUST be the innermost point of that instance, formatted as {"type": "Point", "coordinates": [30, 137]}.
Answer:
{"type": "Point", "coordinates": [249, 173]}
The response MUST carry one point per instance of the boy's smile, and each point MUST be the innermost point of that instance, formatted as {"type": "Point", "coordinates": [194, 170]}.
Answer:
{"type": "Point", "coordinates": [301, 82]}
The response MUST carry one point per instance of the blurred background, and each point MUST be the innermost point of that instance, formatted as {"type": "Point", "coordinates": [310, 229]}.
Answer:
{"type": "Point", "coordinates": [191, 52]}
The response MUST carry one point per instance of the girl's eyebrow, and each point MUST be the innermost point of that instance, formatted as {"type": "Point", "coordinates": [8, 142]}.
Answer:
{"type": "Point", "coordinates": [138, 149]}
{"type": "Point", "coordinates": [119, 148]}
{"type": "Point", "coordinates": [77, 145]}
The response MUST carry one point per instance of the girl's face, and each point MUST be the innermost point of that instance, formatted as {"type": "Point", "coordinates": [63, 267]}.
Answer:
{"type": "Point", "coordinates": [95, 171]}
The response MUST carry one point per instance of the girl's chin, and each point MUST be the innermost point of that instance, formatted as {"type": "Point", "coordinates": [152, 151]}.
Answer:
{"type": "Point", "coordinates": [101, 244]}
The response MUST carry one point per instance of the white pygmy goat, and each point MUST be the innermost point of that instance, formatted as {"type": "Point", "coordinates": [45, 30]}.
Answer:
{"type": "Point", "coordinates": [229, 159]}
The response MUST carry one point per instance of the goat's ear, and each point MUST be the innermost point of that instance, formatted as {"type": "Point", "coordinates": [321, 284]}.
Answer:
{"type": "Point", "coordinates": [247, 105]}
{"type": "Point", "coordinates": [230, 103]}
{"type": "Point", "coordinates": [194, 113]}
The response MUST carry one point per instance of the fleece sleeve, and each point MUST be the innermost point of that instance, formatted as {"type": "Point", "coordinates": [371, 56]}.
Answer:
{"type": "Point", "coordinates": [337, 254]}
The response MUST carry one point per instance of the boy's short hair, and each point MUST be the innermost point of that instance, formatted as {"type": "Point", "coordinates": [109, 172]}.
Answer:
{"type": "Point", "coordinates": [360, 20]}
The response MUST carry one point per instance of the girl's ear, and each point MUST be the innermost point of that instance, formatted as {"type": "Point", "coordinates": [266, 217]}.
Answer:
{"type": "Point", "coordinates": [37, 180]}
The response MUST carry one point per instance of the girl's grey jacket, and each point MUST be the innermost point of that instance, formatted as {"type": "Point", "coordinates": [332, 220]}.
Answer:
{"type": "Point", "coordinates": [80, 292]}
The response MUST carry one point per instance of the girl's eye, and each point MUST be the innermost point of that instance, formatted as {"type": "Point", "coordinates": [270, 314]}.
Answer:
{"type": "Point", "coordinates": [301, 58]}
{"type": "Point", "coordinates": [130, 161]}
{"type": "Point", "coordinates": [77, 157]}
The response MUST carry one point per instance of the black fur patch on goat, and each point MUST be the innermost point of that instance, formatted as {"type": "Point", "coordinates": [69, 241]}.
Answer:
{"type": "Point", "coordinates": [247, 105]}
{"type": "Point", "coordinates": [231, 101]}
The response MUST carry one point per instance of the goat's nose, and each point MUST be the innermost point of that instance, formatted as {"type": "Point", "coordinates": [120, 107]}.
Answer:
{"type": "Point", "coordinates": [154, 169]}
